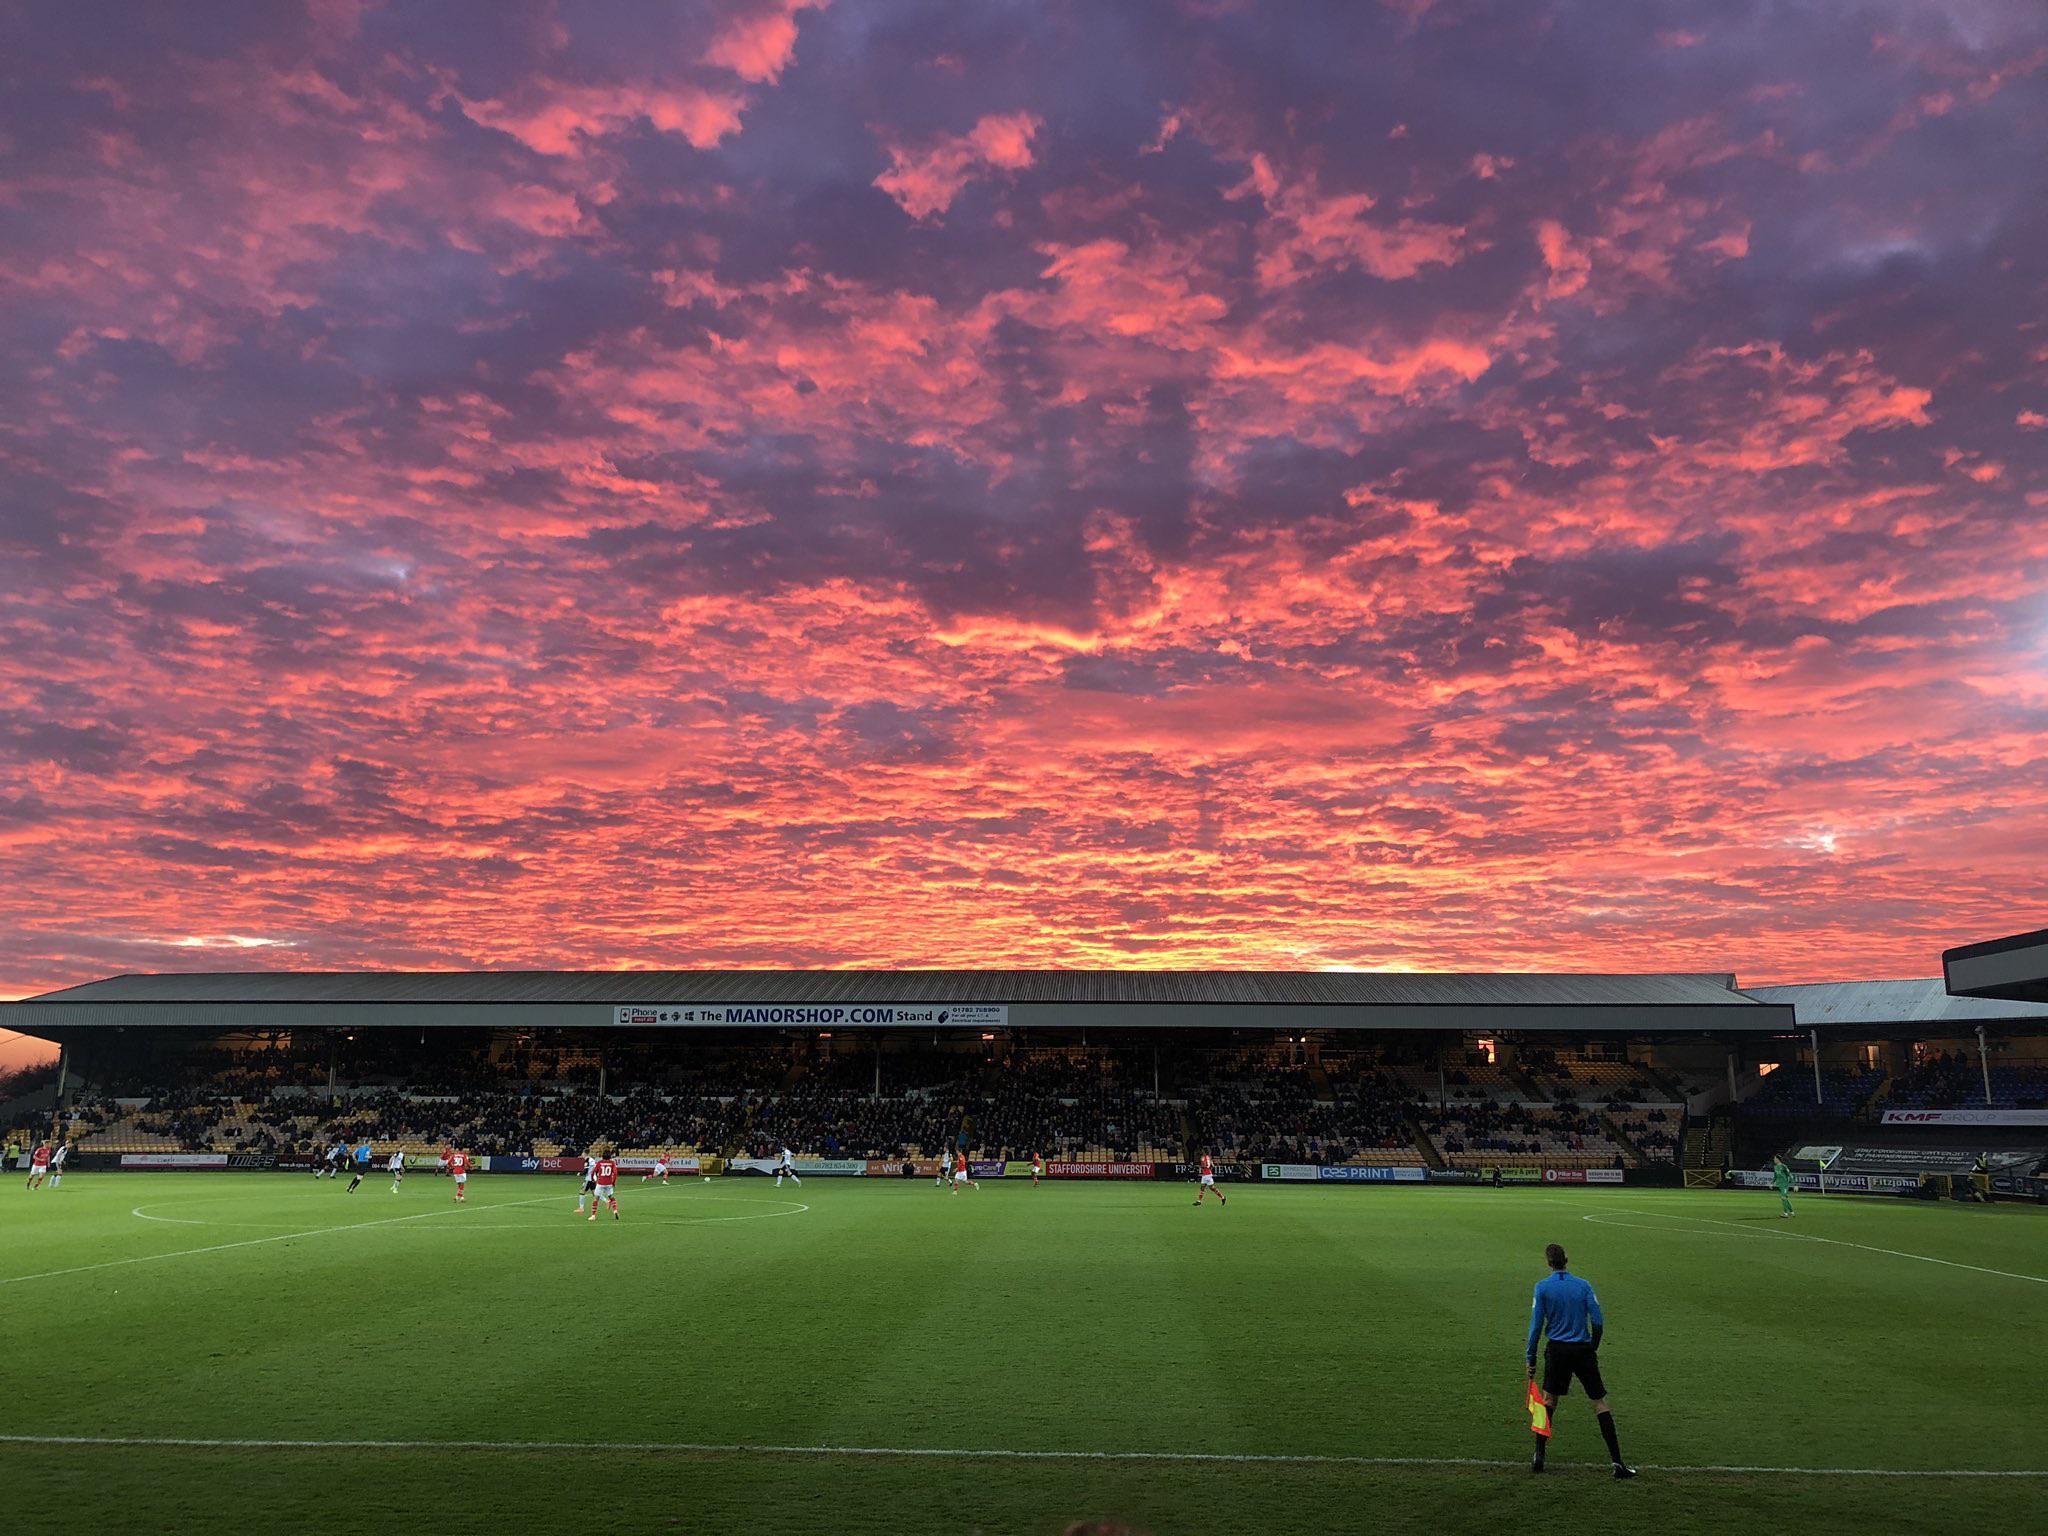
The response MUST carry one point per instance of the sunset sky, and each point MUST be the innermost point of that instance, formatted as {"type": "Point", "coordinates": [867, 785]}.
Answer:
{"type": "Point", "coordinates": [1529, 485]}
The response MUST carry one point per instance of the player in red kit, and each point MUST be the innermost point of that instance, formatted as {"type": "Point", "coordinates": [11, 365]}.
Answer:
{"type": "Point", "coordinates": [1208, 1182]}
{"type": "Point", "coordinates": [39, 1164]}
{"type": "Point", "coordinates": [658, 1171]}
{"type": "Point", "coordinates": [605, 1176]}
{"type": "Point", "coordinates": [458, 1165]}
{"type": "Point", "coordinates": [1037, 1169]}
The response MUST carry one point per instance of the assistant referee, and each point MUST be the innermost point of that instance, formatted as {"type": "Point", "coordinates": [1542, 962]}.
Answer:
{"type": "Point", "coordinates": [1566, 1309]}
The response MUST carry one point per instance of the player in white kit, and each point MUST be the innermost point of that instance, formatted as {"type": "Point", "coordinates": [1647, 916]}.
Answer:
{"type": "Point", "coordinates": [396, 1168]}
{"type": "Point", "coordinates": [589, 1181]}
{"type": "Point", "coordinates": [787, 1165]}
{"type": "Point", "coordinates": [57, 1163]}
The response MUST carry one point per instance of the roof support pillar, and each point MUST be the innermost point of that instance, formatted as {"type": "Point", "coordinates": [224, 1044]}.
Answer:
{"type": "Point", "coordinates": [63, 1077]}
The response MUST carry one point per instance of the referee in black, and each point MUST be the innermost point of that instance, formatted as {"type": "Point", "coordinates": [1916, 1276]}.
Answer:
{"type": "Point", "coordinates": [1566, 1309]}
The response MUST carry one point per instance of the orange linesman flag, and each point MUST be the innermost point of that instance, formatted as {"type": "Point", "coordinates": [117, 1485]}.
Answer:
{"type": "Point", "coordinates": [1539, 1415]}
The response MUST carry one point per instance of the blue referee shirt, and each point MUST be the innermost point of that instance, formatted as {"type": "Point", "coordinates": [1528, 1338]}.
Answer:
{"type": "Point", "coordinates": [1565, 1308]}
{"type": "Point", "coordinates": [363, 1153]}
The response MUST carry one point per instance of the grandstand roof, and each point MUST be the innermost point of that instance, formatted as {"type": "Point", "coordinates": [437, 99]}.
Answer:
{"type": "Point", "coordinates": [2014, 967]}
{"type": "Point", "coordinates": [1249, 999]}
{"type": "Point", "coordinates": [1878, 1004]}
{"type": "Point", "coordinates": [1316, 987]}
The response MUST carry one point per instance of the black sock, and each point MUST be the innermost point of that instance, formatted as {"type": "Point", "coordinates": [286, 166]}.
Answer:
{"type": "Point", "coordinates": [1607, 1434]}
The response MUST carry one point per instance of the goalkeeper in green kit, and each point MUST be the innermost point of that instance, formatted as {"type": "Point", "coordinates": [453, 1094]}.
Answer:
{"type": "Point", "coordinates": [1781, 1181]}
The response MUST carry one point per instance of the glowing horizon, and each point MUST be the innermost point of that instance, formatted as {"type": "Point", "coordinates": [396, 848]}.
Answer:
{"type": "Point", "coordinates": [1419, 486]}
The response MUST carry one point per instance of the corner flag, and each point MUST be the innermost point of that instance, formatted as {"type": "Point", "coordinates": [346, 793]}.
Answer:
{"type": "Point", "coordinates": [1539, 1414]}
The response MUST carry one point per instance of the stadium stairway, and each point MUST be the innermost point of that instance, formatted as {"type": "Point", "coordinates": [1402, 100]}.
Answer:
{"type": "Point", "coordinates": [1632, 1153]}
{"type": "Point", "coordinates": [1431, 1158]}
{"type": "Point", "coordinates": [36, 1102]}
{"type": "Point", "coordinates": [1706, 1144]}
{"type": "Point", "coordinates": [1664, 1080]}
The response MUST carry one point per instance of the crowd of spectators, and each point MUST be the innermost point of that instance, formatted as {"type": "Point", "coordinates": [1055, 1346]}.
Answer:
{"type": "Point", "coordinates": [1258, 1103]}
{"type": "Point", "coordinates": [1519, 1129]}
{"type": "Point", "coordinates": [1939, 1077]}
{"type": "Point", "coordinates": [1271, 1101]}
{"type": "Point", "coordinates": [1652, 1132]}
{"type": "Point", "coordinates": [1295, 1112]}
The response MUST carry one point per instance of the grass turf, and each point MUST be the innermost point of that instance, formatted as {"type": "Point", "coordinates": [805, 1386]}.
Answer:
{"type": "Point", "coordinates": [1315, 1322]}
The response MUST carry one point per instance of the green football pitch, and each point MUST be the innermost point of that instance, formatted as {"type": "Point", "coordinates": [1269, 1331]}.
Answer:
{"type": "Point", "coordinates": [214, 1352]}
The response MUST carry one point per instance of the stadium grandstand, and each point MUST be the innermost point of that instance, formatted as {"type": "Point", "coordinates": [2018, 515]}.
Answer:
{"type": "Point", "coordinates": [1904, 1076]}
{"type": "Point", "coordinates": [1436, 1072]}
{"type": "Point", "coordinates": [1445, 1075]}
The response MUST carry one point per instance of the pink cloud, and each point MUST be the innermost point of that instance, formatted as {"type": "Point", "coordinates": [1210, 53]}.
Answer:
{"type": "Point", "coordinates": [1567, 261]}
{"type": "Point", "coordinates": [566, 120]}
{"type": "Point", "coordinates": [1308, 232]}
{"type": "Point", "coordinates": [925, 179]}
{"type": "Point", "coordinates": [757, 44]}
{"type": "Point", "coordinates": [1321, 370]}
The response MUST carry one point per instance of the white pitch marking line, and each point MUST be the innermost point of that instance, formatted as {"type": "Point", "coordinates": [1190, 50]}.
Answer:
{"type": "Point", "coordinates": [795, 1208]}
{"type": "Point", "coordinates": [1644, 1226]}
{"type": "Point", "coordinates": [705, 1221]}
{"type": "Point", "coordinates": [1836, 1242]}
{"type": "Point", "coordinates": [247, 1242]}
{"type": "Point", "coordinates": [937, 1453]}
{"type": "Point", "coordinates": [182, 1221]}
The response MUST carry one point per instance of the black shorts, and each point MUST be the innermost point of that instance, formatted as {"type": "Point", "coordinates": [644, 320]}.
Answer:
{"type": "Point", "coordinates": [1562, 1361]}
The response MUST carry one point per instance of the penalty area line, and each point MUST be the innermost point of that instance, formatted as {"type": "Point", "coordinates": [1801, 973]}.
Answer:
{"type": "Point", "coordinates": [938, 1453]}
